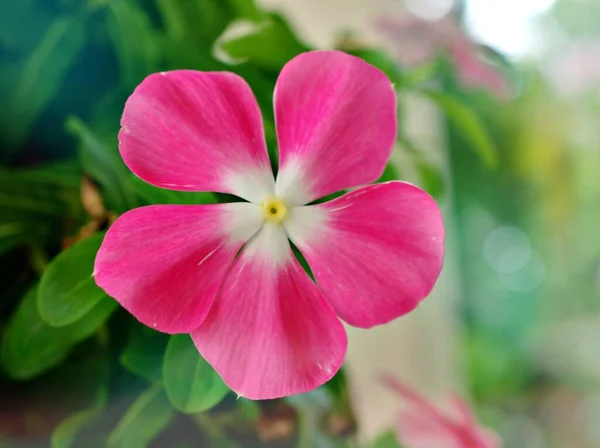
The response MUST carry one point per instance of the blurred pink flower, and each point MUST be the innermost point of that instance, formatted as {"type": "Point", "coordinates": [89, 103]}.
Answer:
{"type": "Point", "coordinates": [226, 273]}
{"type": "Point", "coordinates": [422, 425]}
{"type": "Point", "coordinates": [417, 41]}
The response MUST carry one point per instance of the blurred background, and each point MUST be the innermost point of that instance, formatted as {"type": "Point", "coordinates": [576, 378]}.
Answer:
{"type": "Point", "coordinates": [499, 106]}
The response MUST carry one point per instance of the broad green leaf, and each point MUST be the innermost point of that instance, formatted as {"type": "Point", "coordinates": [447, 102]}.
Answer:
{"type": "Point", "coordinates": [30, 346]}
{"type": "Point", "coordinates": [191, 383]}
{"type": "Point", "coordinates": [144, 352]}
{"type": "Point", "coordinates": [154, 195]}
{"type": "Point", "coordinates": [41, 77]}
{"type": "Point", "coordinates": [103, 163]}
{"type": "Point", "coordinates": [144, 420]}
{"type": "Point", "coordinates": [135, 41]}
{"type": "Point", "coordinates": [468, 124]}
{"type": "Point", "coordinates": [270, 46]}
{"type": "Point", "coordinates": [386, 440]}
{"type": "Point", "coordinates": [67, 289]}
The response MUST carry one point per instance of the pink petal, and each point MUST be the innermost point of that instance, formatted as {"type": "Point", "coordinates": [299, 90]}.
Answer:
{"type": "Point", "coordinates": [197, 131]}
{"type": "Point", "coordinates": [271, 333]}
{"type": "Point", "coordinates": [336, 124]}
{"type": "Point", "coordinates": [376, 252]}
{"type": "Point", "coordinates": [416, 429]}
{"type": "Point", "coordinates": [165, 263]}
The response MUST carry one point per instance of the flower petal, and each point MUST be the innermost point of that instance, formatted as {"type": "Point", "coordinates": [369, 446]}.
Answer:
{"type": "Point", "coordinates": [375, 252]}
{"type": "Point", "coordinates": [271, 333]}
{"type": "Point", "coordinates": [165, 263]}
{"type": "Point", "coordinates": [197, 131]}
{"type": "Point", "coordinates": [336, 124]}
{"type": "Point", "coordinates": [416, 429]}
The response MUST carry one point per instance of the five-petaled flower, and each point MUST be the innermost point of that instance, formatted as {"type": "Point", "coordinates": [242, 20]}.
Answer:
{"type": "Point", "coordinates": [422, 425]}
{"type": "Point", "coordinates": [226, 273]}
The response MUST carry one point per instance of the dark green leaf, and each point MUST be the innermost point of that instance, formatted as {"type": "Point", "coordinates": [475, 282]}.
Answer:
{"type": "Point", "coordinates": [30, 346]}
{"type": "Point", "coordinates": [67, 289]}
{"type": "Point", "coordinates": [102, 162]}
{"type": "Point", "coordinates": [270, 46]}
{"type": "Point", "coordinates": [144, 420]}
{"type": "Point", "coordinates": [154, 195]}
{"type": "Point", "coordinates": [468, 124]}
{"type": "Point", "coordinates": [144, 352]}
{"type": "Point", "coordinates": [41, 77]}
{"type": "Point", "coordinates": [191, 383]}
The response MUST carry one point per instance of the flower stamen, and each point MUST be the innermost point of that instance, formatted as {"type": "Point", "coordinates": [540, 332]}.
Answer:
{"type": "Point", "coordinates": [274, 210]}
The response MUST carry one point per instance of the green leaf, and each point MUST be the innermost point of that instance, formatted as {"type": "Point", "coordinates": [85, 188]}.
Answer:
{"type": "Point", "coordinates": [468, 124]}
{"type": "Point", "coordinates": [93, 373]}
{"type": "Point", "coordinates": [67, 289]}
{"type": "Point", "coordinates": [390, 173]}
{"type": "Point", "coordinates": [386, 440]}
{"type": "Point", "coordinates": [198, 22]}
{"type": "Point", "coordinates": [143, 355]}
{"type": "Point", "coordinates": [191, 383]}
{"type": "Point", "coordinates": [154, 195]}
{"type": "Point", "coordinates": [30, 346]}
{"type": "Point", "coordinates": [245, 9]}
{"type": "Point", "coordinates": [102, 162]}
{"type": "Point", "coordinates": [431, 178]}
{"type": "Point", "coordinates": [41, 77]}
{"type": "Point", "coordinates": [382, 61]}
{"type": "Point", "coordinates": [65, 433]}
{"type": "Point", "coordinates": [135, 41]}
{"type": "Point", "coordinates": [143, 421]}
{"type": "Point", "coordinates": [270, 46]}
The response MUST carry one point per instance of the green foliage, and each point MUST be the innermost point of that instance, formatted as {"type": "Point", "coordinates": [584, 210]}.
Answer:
{"type": "Point", "coordinates": [42, 76]}
{"type": "Point", "coordinates": [36, 203]}
{"type": "Point", "coordinates": [102, 162]}
{"type": "Point", "coordinates": [191, 383]}
{"type": "Point", "coordinates": [468, 124]}
{"type": "Point", "coordinates": [143, 355]}
{"type": "Point", "coordinates": [386, 440]}
{"type": "Point", "coordinates": [145, 418]}
{"type": "Point", "coordinates": [269, 46]}
{"type": "Point", "coordinates": [30, 346]}
{"type": "Point", "coordinates": [67, 290]}
{"type": "Point", "coordinates": [94, 372]}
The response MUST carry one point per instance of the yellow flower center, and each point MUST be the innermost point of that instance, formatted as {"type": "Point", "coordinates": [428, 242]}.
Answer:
{"type": "Point", "coordinates": [274, 210]}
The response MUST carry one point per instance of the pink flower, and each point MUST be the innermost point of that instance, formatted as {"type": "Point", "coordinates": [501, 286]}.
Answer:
{"type": "Point", "coordinates": [424, 426]}
{"type": "Point", "coordinates": [226, 273]}
{"type": "Point", "coordinates": [417, 41]}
